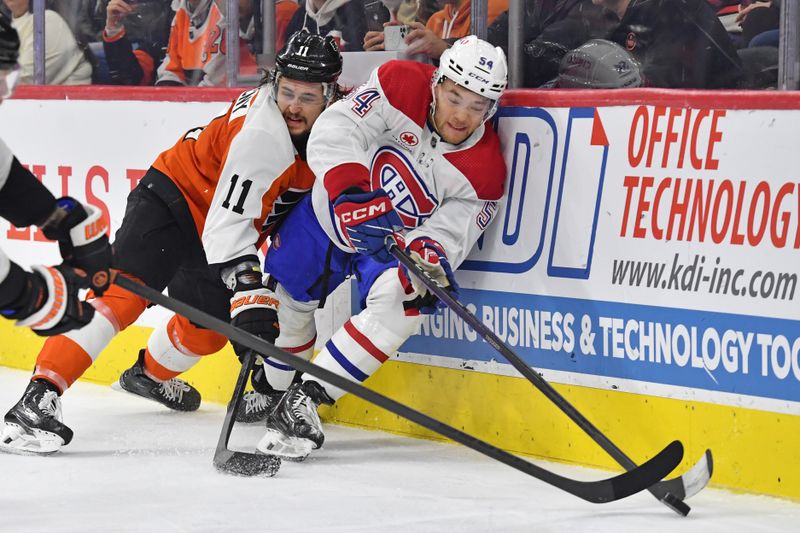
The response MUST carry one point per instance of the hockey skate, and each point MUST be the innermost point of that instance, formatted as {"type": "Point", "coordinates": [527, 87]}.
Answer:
{"type": "Point", "coordinates": [174, 393]}
{"type": "Point", "coordinates": [293, 426]}
{"type": "Point", "coordinates": [33, 426]}
{"type": "Point", "coordinates": [257, 403]}
{"type": "Point", "coordinates": [255, 406]}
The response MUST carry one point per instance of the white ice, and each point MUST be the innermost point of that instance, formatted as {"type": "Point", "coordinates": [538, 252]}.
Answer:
{"type": "Point", "coordinates": [135, 466]}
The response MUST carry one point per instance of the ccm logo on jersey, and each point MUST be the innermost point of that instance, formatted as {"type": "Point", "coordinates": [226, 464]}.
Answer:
{"type": "Point", "coordinates": [395, 174]}
{"type": "Point", "coordinates": [363, 213]}
{"type": "Point", "coordinates": [363, 101]}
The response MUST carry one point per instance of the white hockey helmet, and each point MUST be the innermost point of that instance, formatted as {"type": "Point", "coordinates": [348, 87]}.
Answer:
{"type": "Point", "coordinates": [475, 65]}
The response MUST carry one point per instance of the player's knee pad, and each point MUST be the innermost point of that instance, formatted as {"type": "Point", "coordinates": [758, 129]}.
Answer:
{"type": "Point", "coordinates": [176, 345]}
{"type": "Point", "coordinates": [385, 310]}
{"type": "Point", "coordinates": [372, 336]}
{"type": "Point", "coordinates": [197, 340]}
{"type": "Point", "coordinates": [298, 336]}
{"type": "Point", "coordinates": [119, 306]}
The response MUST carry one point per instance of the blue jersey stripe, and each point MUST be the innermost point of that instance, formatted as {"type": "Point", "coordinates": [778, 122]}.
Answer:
{"type": "Point", "coordinates": [344, 362]}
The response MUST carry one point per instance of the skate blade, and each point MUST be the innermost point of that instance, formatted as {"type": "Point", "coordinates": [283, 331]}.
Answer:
{"type": "Point", "coordinates": [289, 448]}
{"type": "Point", "coordinates": [19, 441]}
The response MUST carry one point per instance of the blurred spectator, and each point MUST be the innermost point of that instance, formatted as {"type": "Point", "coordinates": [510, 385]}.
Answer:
{"type": "Point", "coordinates": [65, 63]}
{"type": "Point", "coordinates": [196, 51]}
{"type": "Point", "coordinates": [453, 20]}
{"type": "Point", "coordinates": [344, 20]}
{"type": "Point", "coordinates": [760, 22]}
{"type": "Point", "coordinates": [680, 43]}
{"type": "Point", "coordinates": [442, 28]}
{"type": "Point", "coordinates": [80, 17]}
{"type": "Point", "coordinates": [552, 28]}
{"type": "Point", "coordinates": [284, 11]}
{"type": "Point", "coordinates": [599, 64]}
{"type": "Point", "coordinates": [134, 39]}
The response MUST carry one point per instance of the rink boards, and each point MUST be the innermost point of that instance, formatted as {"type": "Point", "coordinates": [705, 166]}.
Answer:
{"type": "Point", "coordinates": [645, 260]}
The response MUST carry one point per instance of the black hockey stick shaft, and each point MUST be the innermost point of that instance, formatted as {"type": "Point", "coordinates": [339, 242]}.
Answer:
{"type": "Point", "coordinates": [238, 462]}
{"type": "Point", "coordinates": [670, 500]}
{"type": "Point", "coordinates": [601, 491]}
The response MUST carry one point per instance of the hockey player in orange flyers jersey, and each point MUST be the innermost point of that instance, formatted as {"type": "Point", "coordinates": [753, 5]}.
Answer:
{"type": "Point", "coordinates": [197, 217]}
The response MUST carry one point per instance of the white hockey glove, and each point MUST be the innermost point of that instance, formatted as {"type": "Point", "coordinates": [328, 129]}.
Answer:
{"type": "Point", "coordinates": [81, 234]}
{"type": "Point", "coordinates": [254, 308]}
{"type": "Point", "coordinates": [45, 300]}
{"type": "Point", "coordinates": [429, 255]}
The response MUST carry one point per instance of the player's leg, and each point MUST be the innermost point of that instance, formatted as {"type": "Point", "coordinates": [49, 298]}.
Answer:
{"type": "Point", "coordinates": [368, 339]}
{"type": "Point", "coordinates": [307, 267]}
{"type": "Point", "coordinates": [146, 239]}
{"type": "Point", "coordinates": [270, 377]}
{"type": "Point", "coordinates": [355, 351]}
{"type": "Point", "coordinates": [177, 344]}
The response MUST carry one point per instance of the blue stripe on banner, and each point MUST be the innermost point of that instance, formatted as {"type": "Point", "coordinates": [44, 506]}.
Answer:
{"type": "Point", "coordinates": [710, 350]}
{"type": "Point", "coordinates": [276, 364]}
{"type": "Point", "coordinates": [344, 362]}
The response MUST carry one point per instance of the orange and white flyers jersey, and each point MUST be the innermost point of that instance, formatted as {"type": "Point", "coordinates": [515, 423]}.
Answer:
{"type": "Point", "coordinates": [196, 49]}
{"type": "Point", "coordinates": [239, 174]}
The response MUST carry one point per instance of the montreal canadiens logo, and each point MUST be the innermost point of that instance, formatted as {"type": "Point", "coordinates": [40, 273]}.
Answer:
{"type": "Point", "coordinates": [395, 174]}
{"type": "Point", "coordinates": [409, 139]}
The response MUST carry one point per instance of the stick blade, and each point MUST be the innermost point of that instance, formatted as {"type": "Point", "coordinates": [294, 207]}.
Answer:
{"type": "Point", "coordinates": [696, 478]}
{"type": "Point", "coordinates": [673, 491]}
{"type": "Point", "coordinates": [648, 473]}
{"type": "Point", "coordinates": [246, 464]}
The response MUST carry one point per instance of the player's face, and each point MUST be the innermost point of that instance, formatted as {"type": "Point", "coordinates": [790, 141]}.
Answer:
{"type": "Point", "coordinates": [301, 103]}
{"type": "Point", "coordinates": [459, 111]}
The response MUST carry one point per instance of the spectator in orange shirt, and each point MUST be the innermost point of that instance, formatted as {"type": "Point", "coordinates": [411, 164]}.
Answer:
{"type": "Point", "coordinates": [284, 10]}
{"type": "Point", "coordinates": [196, 49]}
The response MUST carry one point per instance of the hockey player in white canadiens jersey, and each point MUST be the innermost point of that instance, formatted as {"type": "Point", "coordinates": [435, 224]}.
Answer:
{"type": "Point", "coordinates": [408, 156]}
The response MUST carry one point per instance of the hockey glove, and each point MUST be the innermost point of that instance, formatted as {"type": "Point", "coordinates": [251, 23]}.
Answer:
{"type": "Point", "coordinates": [368, 219]}
{"type": "Point", "coordinates": [46, 300]}
{"type": "Point", "coordinates": [82, 240]}
{"type": "Point", "coordinates": [254, 308]}
{"type": "Point", "coordinates": [430, 257]}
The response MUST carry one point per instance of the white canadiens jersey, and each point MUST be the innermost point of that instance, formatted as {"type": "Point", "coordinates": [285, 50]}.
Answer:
{"type": "Point", "coordinates": [379, 137]}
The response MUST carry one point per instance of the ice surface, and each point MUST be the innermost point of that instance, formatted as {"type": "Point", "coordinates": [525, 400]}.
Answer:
{"type": "Point", "coordinates": [135, 466]}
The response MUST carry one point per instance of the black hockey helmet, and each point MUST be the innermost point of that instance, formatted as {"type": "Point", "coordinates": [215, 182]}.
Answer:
{"type": "Point", "coordinates": [599, 64]}
{"type": "Point", "coordinates": [309, 57]}
{"type": "Point", "coordinates": [9, 45]}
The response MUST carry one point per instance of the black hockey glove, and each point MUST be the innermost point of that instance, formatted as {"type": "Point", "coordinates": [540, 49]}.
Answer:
{"type": "Point", "coordinates": [81, 235]}
{"type": "Point", "coordinates": [254, 308]}
{"type": "Point", "coordinates": [46, 300]}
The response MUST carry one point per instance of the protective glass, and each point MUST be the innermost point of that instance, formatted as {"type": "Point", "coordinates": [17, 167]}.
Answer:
{"type": "Point", "coordinates": [8, 80]}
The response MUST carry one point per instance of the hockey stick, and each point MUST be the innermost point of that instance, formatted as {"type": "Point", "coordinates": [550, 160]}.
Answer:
{"type": "Point", "coordinates": [602, 491]}
{"type": "Point", "coordinates": [671, 492]}
{"type": "Point", "coordinates": [236, 462]}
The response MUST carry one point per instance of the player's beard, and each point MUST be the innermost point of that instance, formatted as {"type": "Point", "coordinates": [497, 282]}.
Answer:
{"type": "Point", "coordinates": [287, 116]}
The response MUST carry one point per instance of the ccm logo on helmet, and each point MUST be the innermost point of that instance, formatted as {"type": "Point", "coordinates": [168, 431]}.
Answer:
{"type": "Point", "coordinates": [479, 78]}
{"type": "Point", "coordinates": [363, 213]}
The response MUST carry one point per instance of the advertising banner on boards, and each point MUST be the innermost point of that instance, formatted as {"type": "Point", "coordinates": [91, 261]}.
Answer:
{"type": "Point", "coordinates": [652, 245]}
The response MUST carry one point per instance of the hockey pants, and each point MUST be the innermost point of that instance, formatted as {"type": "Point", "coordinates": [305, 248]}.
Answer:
{"type": "Point", "coordinates": [158, 244]}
